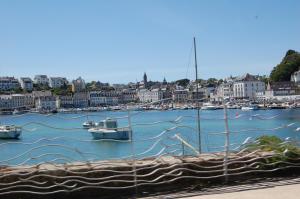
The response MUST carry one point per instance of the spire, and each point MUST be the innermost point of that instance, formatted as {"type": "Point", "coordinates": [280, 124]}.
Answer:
{"type": "Point", "coordinates": [145, 80]}
{"type": "Point", "coordinates": [164, 81]}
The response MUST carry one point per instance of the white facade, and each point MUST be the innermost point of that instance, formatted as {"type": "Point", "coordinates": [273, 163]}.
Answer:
{"type": "Point", "coordinates": [26, 83]}
{"type": "Point", "coordinates": [41, 79]}
{"type": "Point", "coordinates": [16, 101]}
{"type": "Point", "coordinates": [99, 98]}
{"type": "Point", "coordinates": [57, 82]}
{"type": "Point", "coordinates": [46, 103]}
{"type": "Point", "coordinates": [295, 77]}
{"type": "Point", "coordinates": [247, 89]}
{"type": "Point", "coordinates": [8, 83]}
{"type": "Point", "coordinates": [153, 95]}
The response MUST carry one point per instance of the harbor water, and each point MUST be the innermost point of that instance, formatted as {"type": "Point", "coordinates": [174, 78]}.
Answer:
{"type": "Point", "coordinates": [60, 138]}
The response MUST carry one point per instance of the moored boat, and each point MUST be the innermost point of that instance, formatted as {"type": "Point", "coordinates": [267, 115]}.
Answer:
{"type": "Point", "coordinates": [88, 124]}
{"type": "Point", "coordinates": [208, 106]}
{"type": "Point", "coordinates": [10, 132]}
{"type": "Point", "coordinates": [249, 107]}
{"type": "Point", "coordinates": [108, 129]}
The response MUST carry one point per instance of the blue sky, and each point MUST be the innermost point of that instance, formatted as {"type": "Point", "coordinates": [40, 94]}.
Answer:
{"type": "Point", "coordinates": [116, 41]}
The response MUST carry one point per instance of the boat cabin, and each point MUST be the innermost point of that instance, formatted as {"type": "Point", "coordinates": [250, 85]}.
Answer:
{"type": "Point", "coordinates": [108, 124]}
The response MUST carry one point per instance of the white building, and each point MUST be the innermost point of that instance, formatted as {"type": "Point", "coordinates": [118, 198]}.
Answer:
{"type": "Point", "coordinates": [9, 83]}
{"type": "Point", "coordinates": [97, 98]}
{"type": "Point", "coordinates": [57, 82]}
{"type": "Point", "coordinates": [46, 103]}
{"type": "Point", "coordinates": [247, 86]}
{"type": "Point", "coordinates": [295, 77]}
{"type": "Point", "coordinates": [41, 79]}
{"type": "Point", "coordinates": [153, 95]}
{"type": "Point", "coordinates": [15, 101]}
{"type": "Point", "coordinates": [100, 98]}
{"type": "Point", "coordinates": [26, 83]}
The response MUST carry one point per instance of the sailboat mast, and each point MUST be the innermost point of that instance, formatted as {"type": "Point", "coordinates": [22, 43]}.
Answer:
{"type": "Point", "coordinates": [197, 97]}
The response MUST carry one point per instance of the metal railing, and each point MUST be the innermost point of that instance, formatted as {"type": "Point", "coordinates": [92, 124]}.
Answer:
{"type": "Point", "coordinates": [162, 155]}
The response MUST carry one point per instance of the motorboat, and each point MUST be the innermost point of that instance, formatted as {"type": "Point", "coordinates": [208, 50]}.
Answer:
{"type": "Point", "coordinates": [108, 129]}
{"type": "Point", "coordinates": [88, 124]}
{"type": "Point", "coordinates": [10, 132]}
{"type": "Point", "coordinates": [208, 106]}
{"type": "Point", "coordinates": [249, 107]}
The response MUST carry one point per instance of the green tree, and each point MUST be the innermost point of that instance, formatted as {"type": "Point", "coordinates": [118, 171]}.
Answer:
{"type": "Point", "coordinates": [289, 64]}
{"type": "Point", "coordinates": [183, 82]}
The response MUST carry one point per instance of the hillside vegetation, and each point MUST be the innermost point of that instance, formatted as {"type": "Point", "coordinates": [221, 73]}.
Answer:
{"type": "Point", "coordinates": [289, 64]}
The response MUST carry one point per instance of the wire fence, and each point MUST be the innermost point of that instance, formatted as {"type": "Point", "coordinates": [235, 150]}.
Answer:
{"type": "Point", "coordinates": [162, 154]}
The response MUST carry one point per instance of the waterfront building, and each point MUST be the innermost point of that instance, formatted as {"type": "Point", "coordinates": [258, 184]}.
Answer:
{"type": "Point", "coordinates": [9, 83]}
{"type": "Point", "coordinates": [80, 100]}
{"type": "Point", "coordinates": [145, 95]}
{"type": "Point", "coordinates": [41, 80]}
{"type": "Point", "coordinates": [246, 87]}
{"type": "Point", "coordinates": [58, 82]}
{"type": "Point", "coordinates": [180, 95]}
{"type": "Point", "coordinates": [46, 103]}
{"type": "Point", "coordinates": [65, 101]}
{"type": "Point", "coordinates": [103, 98]}
{"type": "Point", "coordinates": [97, 98]}
{"type": "Point", "coordinates": [16, 101]}
{"type": "Point", "coordinates": [223, 91]}
{"type": "Point", "coordinates": [78, 85]}
{"type": "Point", "coordinates": [128, 95]}
{"type": "Point", "coordinates": [281, 89]}
{"type": "Point", "coordinates": [26, 83]}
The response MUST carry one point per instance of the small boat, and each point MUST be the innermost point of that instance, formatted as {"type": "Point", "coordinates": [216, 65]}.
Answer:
{"type": "Point", "coordinates": [250, 107]}
{"type": "Point", "coordinates": [108, 129]}
{"type": "Point", "coordinates": [10, 132]}
{"type": "Point", "coordinates": [208, 106]}
{"type": "Point", "coordinates": [88, 124]}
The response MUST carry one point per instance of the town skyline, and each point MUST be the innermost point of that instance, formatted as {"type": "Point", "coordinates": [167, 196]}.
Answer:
{"type": "Point", "coordinates": [110, 41]}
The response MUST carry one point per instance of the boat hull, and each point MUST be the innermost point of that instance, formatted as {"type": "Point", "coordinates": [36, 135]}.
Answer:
{"type": "Point", "coordinates": [117, 135]}
{"type": "Point", "coordinates": [10, 135]}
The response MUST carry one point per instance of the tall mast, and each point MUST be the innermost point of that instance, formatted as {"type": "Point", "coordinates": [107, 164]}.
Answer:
{"type": "Point", "coordinates": [197, 96]}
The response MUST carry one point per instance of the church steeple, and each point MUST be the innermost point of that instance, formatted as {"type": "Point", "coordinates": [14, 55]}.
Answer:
{"type": "Point", "coordinates": [145, 80]}
{"type": "Point", "coordinates": [164, 81]}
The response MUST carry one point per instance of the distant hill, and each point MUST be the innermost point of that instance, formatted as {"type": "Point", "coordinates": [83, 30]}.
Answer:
{"type": "Point", "coordinates": [289, 64]}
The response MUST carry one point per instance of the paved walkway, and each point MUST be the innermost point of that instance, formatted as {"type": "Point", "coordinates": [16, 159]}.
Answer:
{"type": "Point", "coordinates": [277, 192]}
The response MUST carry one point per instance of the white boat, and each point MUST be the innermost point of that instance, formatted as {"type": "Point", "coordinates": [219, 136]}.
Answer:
{"type": "Point", "coordinates": [10, 132]}
{"type": "Point", "coordinates": [108, 129]}
{"type": "Point", "coordinates": [208, 106]}
{"type": "Point", "coordinates": [250, 107]}
{"type": "Point", "coordinates": [88, 124]}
